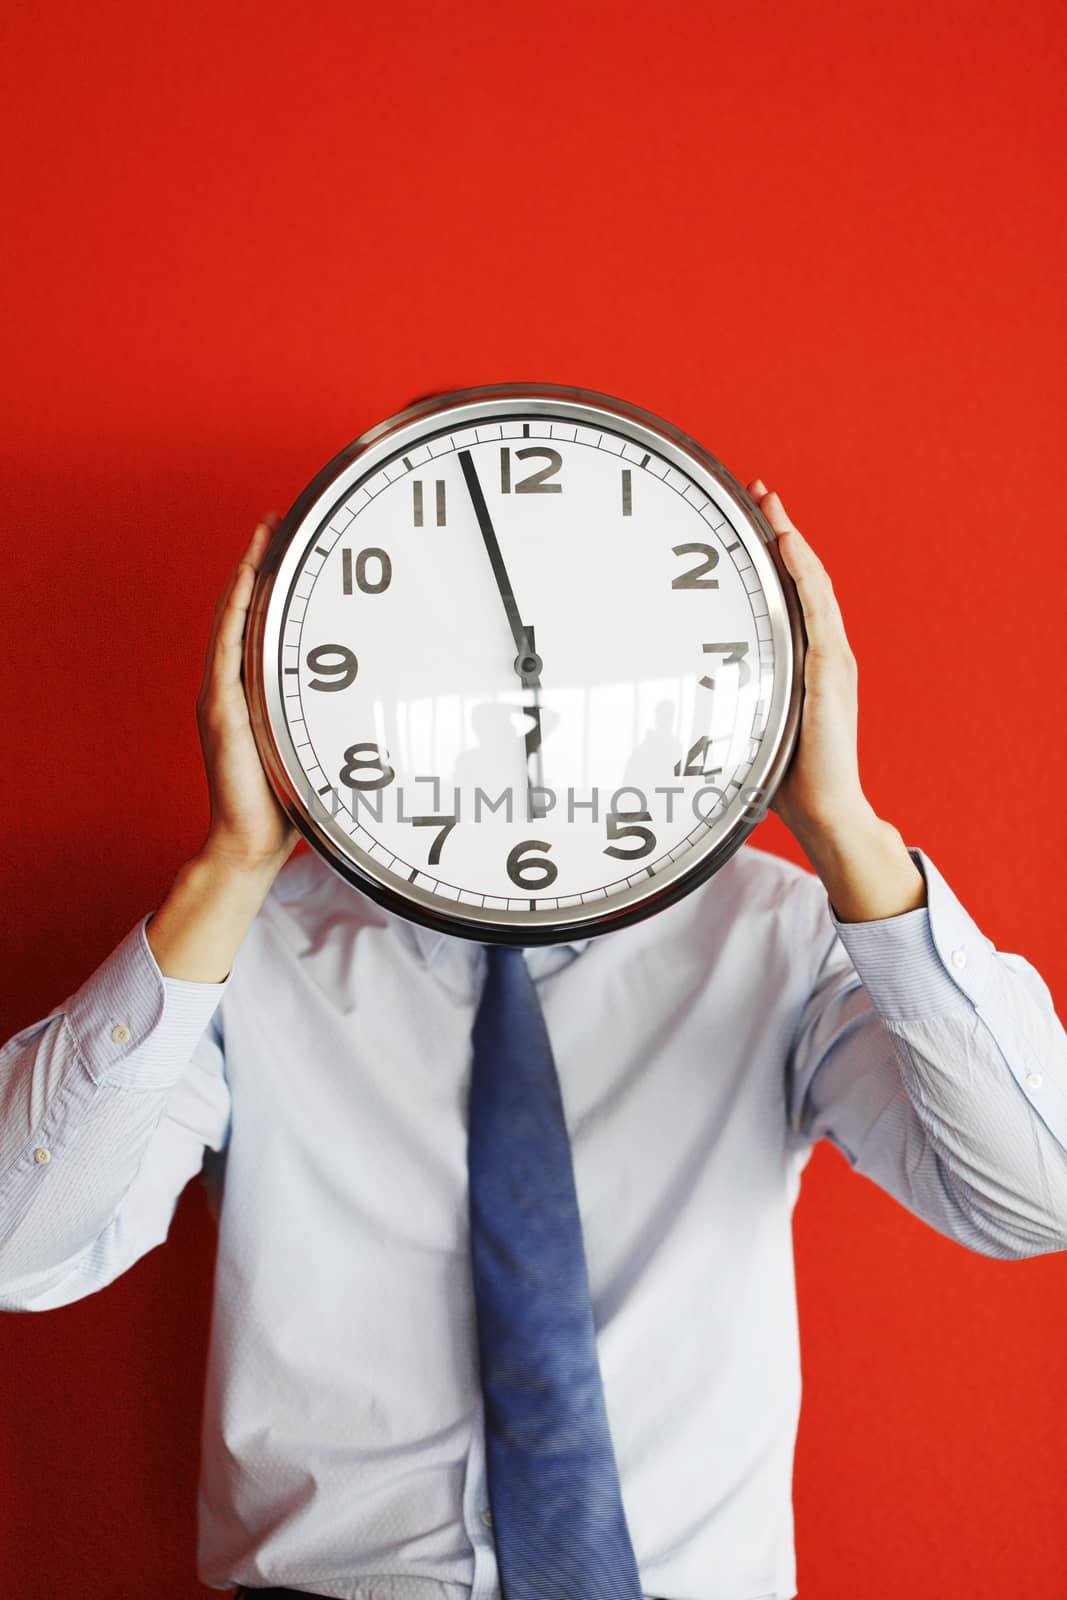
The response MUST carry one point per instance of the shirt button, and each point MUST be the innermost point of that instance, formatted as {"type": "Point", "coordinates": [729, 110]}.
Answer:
{"type": "Point", "coordinates": [42, 1156]}
{"type": "Point", "coordinates": [1034, 1079]}
{"type": "Point", "coordinates": [487, 1518]}
{"type": "Point", "coordinates": [120, 1033]}
{"type": "Point", "coordinates": [959, 957]}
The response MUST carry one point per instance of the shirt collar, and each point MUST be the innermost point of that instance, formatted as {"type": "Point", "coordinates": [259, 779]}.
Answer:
{"type": "Point", "coordinates": [428, 942]}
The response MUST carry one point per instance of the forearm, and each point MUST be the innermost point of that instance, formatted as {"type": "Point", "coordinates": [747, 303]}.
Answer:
{"type": "Point", "coordinates": [865, 867]}
{"type": "Point", "coordinates": [83, 1093]}
{"type": "Point", "coordinates": [943, 1075]}
{"type": "Point", "coordinates": [985, 1154]}
{"type": "Point", "coordinates": [198, 929]}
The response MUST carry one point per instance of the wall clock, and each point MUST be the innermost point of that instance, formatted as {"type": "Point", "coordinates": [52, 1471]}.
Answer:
{"type": "Point", "coordinates": [523, 663]}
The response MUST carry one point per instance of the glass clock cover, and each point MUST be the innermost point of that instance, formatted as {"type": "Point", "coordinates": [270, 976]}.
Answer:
{"type": "Point", "coordinates": [523, 663]}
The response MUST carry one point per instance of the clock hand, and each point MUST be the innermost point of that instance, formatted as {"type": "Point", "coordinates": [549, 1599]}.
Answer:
{"type": "Point", "coordinates": [536, 806]}
{"type": "Point", "coordinates": [527, 662]}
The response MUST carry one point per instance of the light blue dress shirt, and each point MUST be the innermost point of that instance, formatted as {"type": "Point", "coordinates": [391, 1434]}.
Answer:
{"type": "Point", "coordinates": [320, 1091]}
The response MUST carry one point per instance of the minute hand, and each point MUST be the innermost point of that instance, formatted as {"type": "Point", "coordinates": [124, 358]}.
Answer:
{"type": "Point", "coordinates": [527, 662]}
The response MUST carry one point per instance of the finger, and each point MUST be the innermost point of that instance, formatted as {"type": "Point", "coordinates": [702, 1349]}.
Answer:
{"type": "Point", "coordinates": [233, 601]}
{"type": "Point", "coordinates": [823, 622]}
{"type": "Point", "coordinates": [219, 612]}
{"type": "Point", "coordinates": [773, 509]}
{"type": "Point", "coordinates": [234, 618]}
{"type": "Point", "coordinates": [222, 668]}
{"type": "Point", "coordinates": [776, 514]}
{"type": "Point", "coordinates": [232, 622]}
{"type": "Point", "coordinates": [253, 555]}
{"type": "Point", "coordinates": [260, 539]}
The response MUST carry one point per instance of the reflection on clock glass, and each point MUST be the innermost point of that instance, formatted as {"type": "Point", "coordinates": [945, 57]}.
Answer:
{"type": "Point", "coordinates": [525, 664]}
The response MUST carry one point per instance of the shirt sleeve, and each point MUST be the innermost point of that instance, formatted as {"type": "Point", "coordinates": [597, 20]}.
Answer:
{"type": "Point", "coordinates": [106, 1109]}
{"type": "Point", "coordinates": [938, 1067]}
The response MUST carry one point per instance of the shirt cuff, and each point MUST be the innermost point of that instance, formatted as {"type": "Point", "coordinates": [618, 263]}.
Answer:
{"type": "Point", "coordinates": [925, 962]}
{"type": "Point", "coordinates": [135, 1028]}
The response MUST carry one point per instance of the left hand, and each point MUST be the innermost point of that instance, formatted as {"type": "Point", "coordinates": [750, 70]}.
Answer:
{"type": "Point", "coordinates": [821, 792]}
{"type": "Point", "coordinates": [862, 860]}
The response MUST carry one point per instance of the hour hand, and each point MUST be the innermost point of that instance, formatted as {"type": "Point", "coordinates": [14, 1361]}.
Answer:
{"type": "Point", "coordinates": [536, 804]}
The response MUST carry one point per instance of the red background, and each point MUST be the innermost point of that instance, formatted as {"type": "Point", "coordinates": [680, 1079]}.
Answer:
{"type": "Point", "coordinates": [828, 241]}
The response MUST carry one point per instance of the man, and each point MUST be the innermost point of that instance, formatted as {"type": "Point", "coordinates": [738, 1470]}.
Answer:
{"type": "Point", "coordinates": [310, 1055]}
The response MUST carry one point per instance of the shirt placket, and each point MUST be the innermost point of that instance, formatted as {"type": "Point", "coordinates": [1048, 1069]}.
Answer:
{"type": "Point", "coordinates": [477, 1518]}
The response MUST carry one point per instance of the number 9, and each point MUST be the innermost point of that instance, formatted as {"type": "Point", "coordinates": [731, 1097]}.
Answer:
{"type": "Point", "coordinates": [344, 670]}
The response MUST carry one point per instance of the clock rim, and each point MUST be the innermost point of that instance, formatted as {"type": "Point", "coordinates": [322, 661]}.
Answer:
{"type": "Point", "coordinates": [380, 442]}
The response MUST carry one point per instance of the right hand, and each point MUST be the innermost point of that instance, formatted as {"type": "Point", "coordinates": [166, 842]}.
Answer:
{"type": "Point", "coordinates": [248, 827]}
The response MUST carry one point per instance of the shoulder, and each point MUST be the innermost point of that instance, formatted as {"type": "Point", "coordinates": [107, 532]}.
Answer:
{"type": "Point", "coordinates": [309, 901]}
{"type": "Point", "coordinates": [756, 900]}
{"type": "Point", "coordinates": [760, 874]}
{"type": "Point", "coordinates": [757, 884]}
{"type": "Point", "coordinates": [304, 874]}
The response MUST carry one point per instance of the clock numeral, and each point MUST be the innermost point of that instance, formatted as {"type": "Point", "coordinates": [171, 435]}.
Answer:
{"type": "Point", "coordinates": [693, 579]}
{"type": "Point", "coordinates": [693, 765]}
{"type": "Point", "coordinates": [374, 585]}
{"type": "Point", "coordinates": [343, 671]}
{"type": "Point", "coordinates": [356, 764]}
{"type": "Point", "coordinates": [537, 872]}
{"type": "Point", "coordinates": [627, 493]}
{"type": "Point", "coordinates": [623, 826]}
{"type": "Point", "coordinates": [535, 483]}
{"type": "Point", "coordinates": [445, 824]}
{"type": "Point", "coordinates": [735, 653]}
{"type": "Point", "coordinates": [439, 502]}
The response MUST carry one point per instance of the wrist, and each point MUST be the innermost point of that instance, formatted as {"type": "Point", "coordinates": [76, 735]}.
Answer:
{"type": "Point", "coordinates": [865, 867]}
{"type": "Point", "coordinates": [838, 830]}
{"type": "Point", "coordinates": [217, 860]}
{"type": "Point", "coordinates": [196, 932]}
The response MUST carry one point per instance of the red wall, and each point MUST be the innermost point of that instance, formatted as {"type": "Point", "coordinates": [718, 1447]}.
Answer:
{"type": "Point", "coordinates": [826, 239]}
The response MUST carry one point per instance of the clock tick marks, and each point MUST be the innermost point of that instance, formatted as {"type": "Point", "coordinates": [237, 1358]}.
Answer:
{"type": "Point", "coordinates": [423, 503]}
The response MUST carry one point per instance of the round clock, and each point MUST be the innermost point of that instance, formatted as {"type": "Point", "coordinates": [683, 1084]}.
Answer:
{"type": "Point", "coordinates": [523, 663]}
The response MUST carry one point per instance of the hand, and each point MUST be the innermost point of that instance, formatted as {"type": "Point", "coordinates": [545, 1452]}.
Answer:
{"type": "Point", "coordinates": [821, 789]}
{"type": "Point", "coordinates": [248, 827]}
{"type": "Point", "coordinates": [862, 860]}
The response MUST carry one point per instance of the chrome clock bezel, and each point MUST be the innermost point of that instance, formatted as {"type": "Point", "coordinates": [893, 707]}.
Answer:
{"type": "Point", "coordinates": [454, 412]}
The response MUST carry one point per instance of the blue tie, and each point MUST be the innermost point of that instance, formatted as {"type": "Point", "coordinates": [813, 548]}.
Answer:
{"type": "Point", "coordinates": [558, 1521]}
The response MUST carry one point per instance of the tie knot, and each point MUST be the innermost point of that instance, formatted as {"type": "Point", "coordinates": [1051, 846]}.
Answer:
{"type": "Point", "coordinates": [501, 955]}
{"type": "Point", "coordinates": [506, 975]}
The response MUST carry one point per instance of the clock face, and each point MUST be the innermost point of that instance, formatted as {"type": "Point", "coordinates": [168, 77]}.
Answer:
{"type": "Point", "coordinates": [523, 665]}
